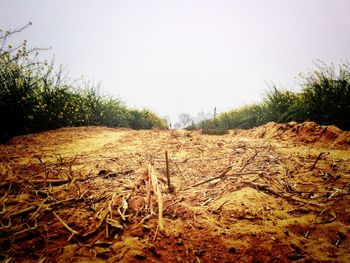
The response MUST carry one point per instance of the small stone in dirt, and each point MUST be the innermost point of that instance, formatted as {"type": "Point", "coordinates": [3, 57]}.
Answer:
{"type": "Point", "coordinates": [102, 172]}
{"type": "Point", "coordinates": [140, 256]}
{"type": "Point", "coordinates": [295, 256]}
{"type": "Point", "coordinates": [334, 166]}
{"type": "Point", "coordinates": [200, 253]}
{"type": "Point", "coordinates": [179, 243]}
{"type": "Point", "coordinates": [154, 252]}
{"type": "Point", "coordinates": [232, 250]}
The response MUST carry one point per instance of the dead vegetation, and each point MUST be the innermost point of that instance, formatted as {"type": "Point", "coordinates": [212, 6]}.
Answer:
{"type": "Point", "coordinates": [267, 194]}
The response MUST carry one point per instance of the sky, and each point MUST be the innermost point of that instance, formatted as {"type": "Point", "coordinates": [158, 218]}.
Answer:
{"type": "Point", "coordinates": [175, 56]}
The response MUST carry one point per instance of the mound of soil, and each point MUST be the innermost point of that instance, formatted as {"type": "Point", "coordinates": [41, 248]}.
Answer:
{"type": "Point", "coordinates": [306, 132]}
{"type": "Point", "coordinates": [279, 193]}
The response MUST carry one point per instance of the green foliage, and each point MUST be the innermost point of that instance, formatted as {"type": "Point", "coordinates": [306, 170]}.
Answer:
{"type": "Point", "coordinates": [280, 106]}
{"type": "Point", "coordinates": [326, 95]}
{"type": "Point", "coordinates": [191, 127]}
{"type": "Point", "coordinates": [34, 98]}
{"type": "Point", "coordinates": [214, 126]}
{"type": "Point", "coordinates": [145, 119]}
{"type": "Point", "coordinates": [242, 118]}
{"type": "Point", "coordinates": [324, 98]}
{"type": "Point", "coordinates": [215, 131]}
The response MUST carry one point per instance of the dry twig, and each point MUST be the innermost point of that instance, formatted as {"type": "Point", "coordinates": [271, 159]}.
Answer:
{"type": "Point", "coordinates": [317, 159]}
{"type": "Point", "coordinates": [65, 225]}
{"type": "Point", "coordinates": [222, 175]}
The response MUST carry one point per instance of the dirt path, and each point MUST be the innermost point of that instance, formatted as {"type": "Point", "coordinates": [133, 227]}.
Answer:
{"type": "Point", "coordinates": [81, 194]}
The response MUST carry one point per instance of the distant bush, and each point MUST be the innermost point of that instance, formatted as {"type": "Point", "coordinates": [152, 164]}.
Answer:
{"type": "Point", "coordinates": [145, 119]}
{"type": "Point", "coordinates": [191, 127]}
{"type": "Point", "coordinates": [213, 127]}
{"type": "Point", "coordinates": [242, 118]}
{"type": "Point", "coordinates": [215, 131]}
{"type": "Point", "coordinates": [33, 97]}
{"type": "Point", "coordinates": [324, 98]}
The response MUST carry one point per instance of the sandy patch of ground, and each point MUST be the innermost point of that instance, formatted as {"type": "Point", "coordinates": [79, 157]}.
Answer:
{"type": "Point", "coordinates": [80, 194]}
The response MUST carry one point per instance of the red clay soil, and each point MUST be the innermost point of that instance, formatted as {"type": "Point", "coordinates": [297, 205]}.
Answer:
{"type": "Point", "coordinates": [306, 132]}
{"type": "Point", "coordinates": [276, 193]}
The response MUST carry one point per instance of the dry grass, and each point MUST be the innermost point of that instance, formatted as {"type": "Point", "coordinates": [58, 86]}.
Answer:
{"type": "Point", "coordinates": [98, 193]}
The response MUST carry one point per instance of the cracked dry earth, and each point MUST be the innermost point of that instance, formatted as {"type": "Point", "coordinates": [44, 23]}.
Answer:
{"type": "Point", "coordinates": [84, 194]}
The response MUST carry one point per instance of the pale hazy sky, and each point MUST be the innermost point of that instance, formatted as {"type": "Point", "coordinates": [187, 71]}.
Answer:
{"type": "Point", "coordinates": [185, 56]}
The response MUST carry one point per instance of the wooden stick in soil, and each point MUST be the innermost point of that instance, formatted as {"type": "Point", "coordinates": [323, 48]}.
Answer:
{"type": "Point", "coordinates": [65, 225]}
{"type": "Point", "coordinates": [167, 171]}
{"type": "Point", "coordinates": [317, 159]}
{"type": "Point", "coordinates": [35, 207]}
{"type": "Point", "coordinates": [158, 193]}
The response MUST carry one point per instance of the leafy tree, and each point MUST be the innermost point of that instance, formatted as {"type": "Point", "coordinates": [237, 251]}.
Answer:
{"type": "Point", "coordinates": [177, 125]}
{"type": "Point", "coordinates": [185, 119]}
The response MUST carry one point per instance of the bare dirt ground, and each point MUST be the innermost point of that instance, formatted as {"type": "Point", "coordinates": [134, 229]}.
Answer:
{"type": "Point", "coordinates": [277, 193]}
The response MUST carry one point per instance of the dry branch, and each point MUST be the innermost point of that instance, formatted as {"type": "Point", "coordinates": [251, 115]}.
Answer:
{"type": "Point", "coordinates": [167, 171]}
{"type": "Point", "coordinates": [152, 185]}
{"type": "Point", "coordinates": [65, 225]}
{"type": "Point", "coordinates": [317, 159]}
{"type": "Point", "coordinates": [222, 175]}
{"type": "Point", "coordinates": [156, 189]}
{"type": "Point", "coordinates": [21, 212]}
{"type": "Point", "coordinates": [98, 226]}
{"type": "Point", "coordinates": [35, 207]}
{"type": "Point", "coordinates": [262, 187]}
{"type": "Point", "coordinates": [53, 182]}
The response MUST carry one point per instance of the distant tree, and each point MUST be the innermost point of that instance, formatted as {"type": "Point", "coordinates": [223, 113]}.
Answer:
{"type": "Point", "coordinates": [185, 119]}
{"type": "Point", "coordinates": [177, 125]}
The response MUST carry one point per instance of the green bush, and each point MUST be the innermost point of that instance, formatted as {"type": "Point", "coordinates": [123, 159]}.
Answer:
{"type": "Point", "coordinates": [213, 126]}
{"type": "Point", "coordinates": [280, 106]}
{"type": "Point", "coordinates": [215, 131]}
{"type": "Point", "coordinates": [324, 98]}
{"type": "Point", "coordinates": [33, 97]}
{"type": "Point", "coordinates": [145, 119]}
{"type": "Point", "coordinates": [242, 118]}
{"type": "Point", "coordinates": [191, 127]}
{"type": "Point", "coordinates": [326, 95]}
